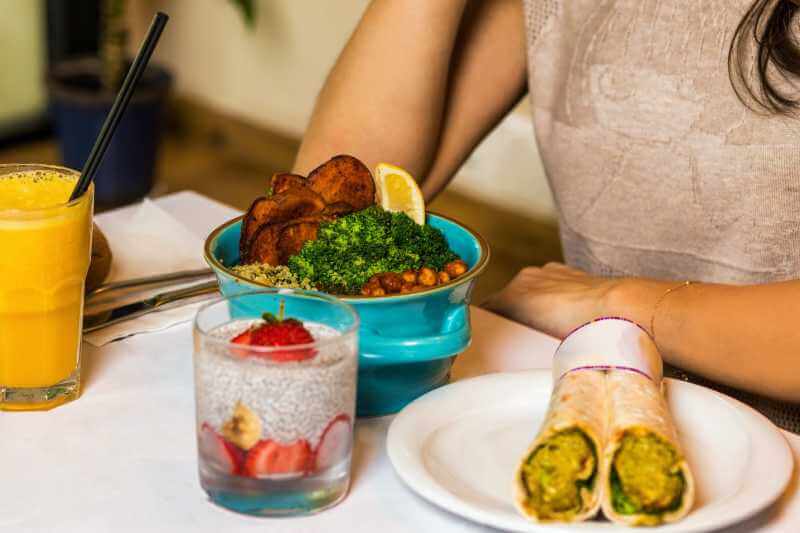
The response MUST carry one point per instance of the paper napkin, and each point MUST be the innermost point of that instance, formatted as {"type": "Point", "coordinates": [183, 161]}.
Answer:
{"type": "Point", "coordinates": [145, 240]}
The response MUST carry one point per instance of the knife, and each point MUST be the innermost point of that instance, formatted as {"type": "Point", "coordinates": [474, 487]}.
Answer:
{"type": "Point", "coordinates": [159, 302]}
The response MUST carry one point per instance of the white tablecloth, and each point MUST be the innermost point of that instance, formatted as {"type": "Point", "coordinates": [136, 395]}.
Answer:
{"type": "Point", "coordinates": [122, 457]}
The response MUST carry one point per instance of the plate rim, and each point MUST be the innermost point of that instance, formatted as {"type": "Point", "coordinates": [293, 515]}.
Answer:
{"type": "Point", "coordinates": [412, 471]}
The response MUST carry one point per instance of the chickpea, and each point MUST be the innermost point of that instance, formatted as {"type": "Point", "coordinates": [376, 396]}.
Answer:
{"type": "Point", "coordinates": [369, 285]}
{"type": "Point", "coordinates": [407, 288]}
{"type": "Point", "coordinates": [409, 276]}
{"type": "Point", "coordinates": [442, 277]}
{"type": "Point", "coordinates": [391, 282]}
{"type": "Point", "coordinates": [455, 268]}
{"type": "Point", "coordinates": [427, 277]}
{"type": "Point", "coordinates": [377, 291]}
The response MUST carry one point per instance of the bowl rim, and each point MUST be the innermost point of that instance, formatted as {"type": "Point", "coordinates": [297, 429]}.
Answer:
{"type": "Point", "coordinates": [472, 273]}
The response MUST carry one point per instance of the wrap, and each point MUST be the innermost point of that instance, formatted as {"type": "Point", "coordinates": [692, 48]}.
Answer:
{"type": "Point", "coordinates": [558, 477]}
{"type": "Point", "coordinates": [646, 479]}
{"type": "Point", "coordinates": [608, 439]}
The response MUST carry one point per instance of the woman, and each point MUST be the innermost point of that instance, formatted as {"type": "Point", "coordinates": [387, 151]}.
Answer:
{"type": "Point", "coordinates": [667, 134]}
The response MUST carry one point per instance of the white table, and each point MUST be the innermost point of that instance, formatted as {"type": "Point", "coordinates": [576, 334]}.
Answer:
{"type": "Point", "coordinates": [143, 477]}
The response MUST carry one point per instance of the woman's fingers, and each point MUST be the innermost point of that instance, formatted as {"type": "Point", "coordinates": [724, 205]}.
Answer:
{"type": "Point", "coordinates": [562, 269]}
{"type": "Point", "coordinates": [521, 299]}
{"type": "Point", "coordinates": [550, 273]}
{"type": "Point", "coordinates": [507, 305]}
{"type": "Point", "coordinates": [553, 298]}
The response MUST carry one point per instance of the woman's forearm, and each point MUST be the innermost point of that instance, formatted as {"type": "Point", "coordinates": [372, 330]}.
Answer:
{"type": "Point", "coordinates": [488, 77]}
{"type": "Point", "coordinates": [384, 99]}
{"type": "Point", "coordinates": [744, 336]}
{"type": "Point", "coordinates": [425, 106]}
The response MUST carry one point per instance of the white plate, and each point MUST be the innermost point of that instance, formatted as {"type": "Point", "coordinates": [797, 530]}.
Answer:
{"type": "Point", "coordinates": [740, 460]}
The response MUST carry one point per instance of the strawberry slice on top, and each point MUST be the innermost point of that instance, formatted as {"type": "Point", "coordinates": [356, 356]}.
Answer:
{"type": "Point", "coordinates": [278, 332]}
{"type": "Point", "coordinates": [287, 332]}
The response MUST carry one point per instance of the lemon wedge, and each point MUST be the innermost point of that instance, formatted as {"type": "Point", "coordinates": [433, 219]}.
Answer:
{"type": "Point", "coordinates": [399, 192]}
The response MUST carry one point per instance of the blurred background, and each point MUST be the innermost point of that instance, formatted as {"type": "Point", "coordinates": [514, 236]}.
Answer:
{"type": "Point", "coordinates": [225, 106]}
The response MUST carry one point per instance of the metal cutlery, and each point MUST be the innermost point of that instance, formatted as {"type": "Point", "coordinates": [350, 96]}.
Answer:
{"type": "Point", "coordinates": [159, 302]}
{"type": "Point", "coordinates": [158, 279]}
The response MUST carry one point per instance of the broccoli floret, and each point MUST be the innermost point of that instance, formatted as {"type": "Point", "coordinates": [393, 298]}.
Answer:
{"type": "Point", "coordinates": [350, 250]}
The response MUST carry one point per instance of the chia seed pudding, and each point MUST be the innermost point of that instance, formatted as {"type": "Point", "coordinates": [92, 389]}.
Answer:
{"type": "Point", "coordinates": [296, 402]}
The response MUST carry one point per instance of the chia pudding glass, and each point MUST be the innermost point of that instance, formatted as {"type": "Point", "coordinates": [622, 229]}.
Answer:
{"type": "Point", "coordinates": [275, 423]}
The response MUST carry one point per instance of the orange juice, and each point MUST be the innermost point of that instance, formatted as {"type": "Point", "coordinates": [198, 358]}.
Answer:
{"type": "Point", "coordinates": [45, 248]}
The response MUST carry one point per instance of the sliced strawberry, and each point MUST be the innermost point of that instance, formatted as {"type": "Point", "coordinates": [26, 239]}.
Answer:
{"type": "Point", "coordinates": [268, 458]}
{"type": "Point", "coordinates": [285, 356]}
{"type": "Point", "coordinates": [218, 452]}
{"type": "Point", "coordinates": [243, 338]}
{"type": "Point", "coordinates": [287, 332]}
{"type": "Point", "coordinates": [275, 332]}
{"type": "Point", "coordinates": [334, 444]}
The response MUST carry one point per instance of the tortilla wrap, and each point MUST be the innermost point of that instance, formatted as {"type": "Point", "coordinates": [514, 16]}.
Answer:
{"type": "Point", "coordinates": [576, 410]}
{"type": "Point", "coordinates": [640, 424]}
{"type": "Point", "coordinates": [607, 379]}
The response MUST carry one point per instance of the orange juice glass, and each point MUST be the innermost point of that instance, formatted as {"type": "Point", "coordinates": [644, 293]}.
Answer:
{"type": "Point", "coordinates": [45, 248]}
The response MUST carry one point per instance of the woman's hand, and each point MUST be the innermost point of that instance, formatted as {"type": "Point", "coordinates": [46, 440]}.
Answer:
{"type": "Point", "coordinates": [554, 299]}
{"type": "Point", "coordinates": [744, 336]}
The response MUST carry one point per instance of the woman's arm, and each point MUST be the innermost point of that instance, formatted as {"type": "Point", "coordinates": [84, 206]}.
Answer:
{"type": "Point", "coordinates": [384, 98]}
{"type": "Point", "coordinates": [743, 336]}
{"type": "Point", "coordinates": [488, 77]}
{"type": "Point", "coordinates": [402, 91]}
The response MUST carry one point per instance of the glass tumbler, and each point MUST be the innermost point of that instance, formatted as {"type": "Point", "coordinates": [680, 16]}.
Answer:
{"type": "Point", "coordinates": [275, 423]}
{"type": "Point", "coordinates": [45, 244]}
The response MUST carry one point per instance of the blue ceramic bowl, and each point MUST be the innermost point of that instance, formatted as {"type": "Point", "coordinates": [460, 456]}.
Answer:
{"type": "Point", "coordinates": [407, 342]}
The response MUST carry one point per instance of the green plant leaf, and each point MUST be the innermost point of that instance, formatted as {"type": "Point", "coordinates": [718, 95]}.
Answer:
{"type": "Point", "coordinates": [248, 10]}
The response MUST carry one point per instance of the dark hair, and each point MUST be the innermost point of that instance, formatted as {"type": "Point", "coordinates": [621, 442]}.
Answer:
{"type": "Point", "coordinates": [768, 25]}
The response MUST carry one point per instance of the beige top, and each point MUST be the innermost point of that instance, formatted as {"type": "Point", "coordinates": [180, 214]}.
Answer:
{"type": "Point", "coordinates": [656, 168]}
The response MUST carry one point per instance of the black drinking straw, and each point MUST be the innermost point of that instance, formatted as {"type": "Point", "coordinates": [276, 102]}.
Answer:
{"type": "Point", "coordinates": [120, 104]}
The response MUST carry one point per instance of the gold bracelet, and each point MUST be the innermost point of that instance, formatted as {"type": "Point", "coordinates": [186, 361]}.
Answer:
{"type": "Point", "coordinates": [659, 301]}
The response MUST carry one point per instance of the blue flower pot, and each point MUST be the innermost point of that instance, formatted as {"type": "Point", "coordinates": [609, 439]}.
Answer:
{"type": "Point", "coordinates": [407, 342]}
{"type": "Point", "coordinates": [79, 108]}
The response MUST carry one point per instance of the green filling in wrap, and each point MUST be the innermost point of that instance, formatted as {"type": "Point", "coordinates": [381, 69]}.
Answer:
{"type": "Point", "coordinates": [645, 476]}
{"type": "Point", "coordinates": [557, 471]}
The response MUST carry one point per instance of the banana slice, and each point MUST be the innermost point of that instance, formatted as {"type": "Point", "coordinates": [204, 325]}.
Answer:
{"type": "Point", "coordinates": [244, 427]}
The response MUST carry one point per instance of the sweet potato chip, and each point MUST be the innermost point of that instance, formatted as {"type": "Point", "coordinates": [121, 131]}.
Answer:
{"type": "Point", "coordinates": [284, 182]}
{"type": "Point", "coordinates": [263, 247]}
{"type": "Point", "coordinates": [344, 179]}
{"type": "Point", "coordinates": [278, 208]}
{"type": "Point", "coordinates": [338, 209]}
{"type": "Point", "coordinates": [261, 209]}
{"type": "Point", "coordinates": [294, 236]}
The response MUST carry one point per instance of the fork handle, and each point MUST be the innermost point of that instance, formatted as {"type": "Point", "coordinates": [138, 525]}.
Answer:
{"type": "Point", "coordinates": [151, 280]}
